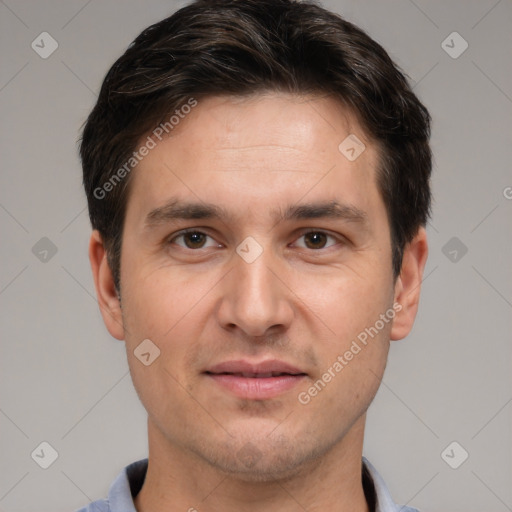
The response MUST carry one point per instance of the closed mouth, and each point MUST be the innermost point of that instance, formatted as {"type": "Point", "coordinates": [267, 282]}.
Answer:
{"type": "Point", "coordinates": [252, 375]}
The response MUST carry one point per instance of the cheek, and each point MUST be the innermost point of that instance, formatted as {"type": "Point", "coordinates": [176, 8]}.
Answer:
{"type": "Point", "coordinates": [344, 301]}
{"type": "Point", "coordinates": [161, 300]}
{"type": "Point", "coordinates": [167, 311]}
{"type": "Point", "coordinates": [352, 348]}
{"type": "Point", "coordinates": [171, 308]}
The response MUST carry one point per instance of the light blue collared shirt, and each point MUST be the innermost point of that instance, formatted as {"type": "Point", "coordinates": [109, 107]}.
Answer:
{"type": "Point", "coordinates": [129, 482]}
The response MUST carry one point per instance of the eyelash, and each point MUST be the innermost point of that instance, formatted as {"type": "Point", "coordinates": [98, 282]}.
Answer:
{"type": "Point", "coordinates": [197, 231]}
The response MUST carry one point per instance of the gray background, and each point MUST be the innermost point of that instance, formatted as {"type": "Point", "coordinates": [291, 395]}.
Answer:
{"type": "Point", "coordinates": [66, 382]}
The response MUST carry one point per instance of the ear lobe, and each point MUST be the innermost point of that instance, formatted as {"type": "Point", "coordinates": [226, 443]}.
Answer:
{"type": "Point", "coordinates": [106, 292]}
{"type": "Point", "coordinates": [408, 284]}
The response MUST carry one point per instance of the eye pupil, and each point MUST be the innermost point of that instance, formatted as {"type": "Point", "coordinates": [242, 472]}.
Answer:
{"type": "Point", "coordinates": [196, 238]}
{"type": "Point", "coordinates": [316, 237]}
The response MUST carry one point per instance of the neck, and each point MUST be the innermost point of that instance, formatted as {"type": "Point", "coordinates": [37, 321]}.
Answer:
{"type": "Point", "coordinates": [178, 480]}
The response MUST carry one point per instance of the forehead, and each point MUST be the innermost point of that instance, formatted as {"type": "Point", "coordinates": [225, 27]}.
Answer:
{"type": "Point", "coordinates": [258, 154]}
{"type": "Point", "coordinates": [271, 126]}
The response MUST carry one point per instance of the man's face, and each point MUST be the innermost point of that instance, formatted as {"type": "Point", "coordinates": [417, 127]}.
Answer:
{"type": "Point", "coordinates": [251, 309]}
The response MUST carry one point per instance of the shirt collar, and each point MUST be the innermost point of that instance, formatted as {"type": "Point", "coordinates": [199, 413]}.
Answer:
{"type": "Point", "coordinates": [383, 500]}
{"type": "Point", "coordinates": [129, 482]}
{"type": "Point", "coordinates": [126, 486]}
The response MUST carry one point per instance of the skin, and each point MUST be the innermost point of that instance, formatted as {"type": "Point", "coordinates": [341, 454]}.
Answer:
{"type": "Point", "coordinates": [303, 300]}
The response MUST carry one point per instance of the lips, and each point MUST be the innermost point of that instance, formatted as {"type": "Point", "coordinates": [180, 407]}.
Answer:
{"type": "Point", "coordinates": [255, 369]}
{"type": "Point", "coordinates": [255, 380]}
{"type": "Point", "coordinates": [253, 375]}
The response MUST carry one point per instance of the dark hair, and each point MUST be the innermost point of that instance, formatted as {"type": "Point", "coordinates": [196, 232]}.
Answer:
{"type": "Point", "coordinates": [243, 47]}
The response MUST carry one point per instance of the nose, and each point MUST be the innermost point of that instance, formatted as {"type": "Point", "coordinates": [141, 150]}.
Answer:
{"type": "Point", "coordinates": [255, 298]}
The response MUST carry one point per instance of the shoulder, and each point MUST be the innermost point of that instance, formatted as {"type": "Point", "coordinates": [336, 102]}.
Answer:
{"type": "Point", "coordinates": [122, 491]}
{"type": "Point", "coordinates": [96, 506]}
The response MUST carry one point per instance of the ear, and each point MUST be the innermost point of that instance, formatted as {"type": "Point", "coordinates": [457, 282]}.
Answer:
{"type": "Point", "coordinates": [106, 292]}
{"type": "Point", "coordinates": [408, 284]}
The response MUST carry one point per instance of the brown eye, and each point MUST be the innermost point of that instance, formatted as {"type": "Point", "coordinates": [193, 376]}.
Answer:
{"type": "Point", "coordinates": [191, 240]}
{"type": "Point", "coordinates": [194, 239]}
{"type": "Point", "coordinates": [315, 240]}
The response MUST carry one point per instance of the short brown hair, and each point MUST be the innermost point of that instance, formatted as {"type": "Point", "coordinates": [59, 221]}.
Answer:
{"type": "Point", "coordinates": [242, 47]}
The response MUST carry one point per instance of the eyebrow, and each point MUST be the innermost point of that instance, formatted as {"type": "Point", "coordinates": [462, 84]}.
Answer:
{"type": "Point", "coordinates": [175, 209]}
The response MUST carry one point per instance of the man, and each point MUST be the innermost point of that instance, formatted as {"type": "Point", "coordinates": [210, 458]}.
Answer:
{"type": "Point", "coordinates": [257, 175]}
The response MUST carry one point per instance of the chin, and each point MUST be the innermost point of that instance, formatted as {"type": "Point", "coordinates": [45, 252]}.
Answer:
{"type": "Point", "coordinates": [263, 460]}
